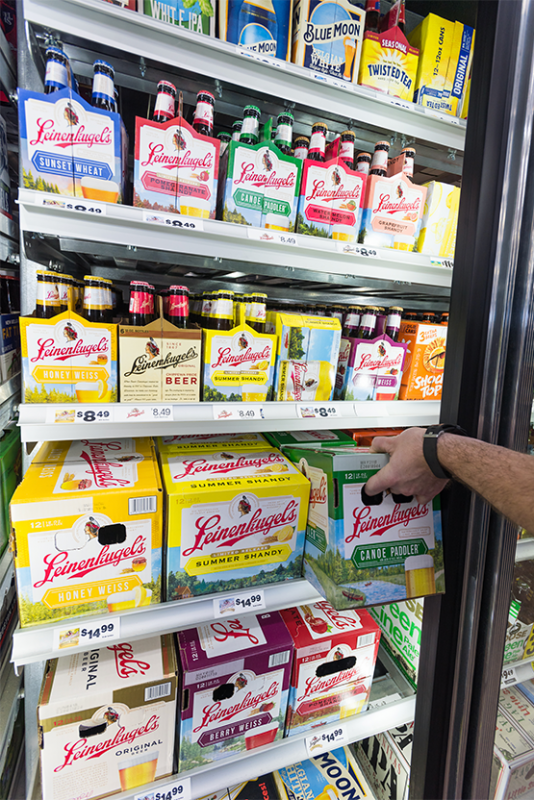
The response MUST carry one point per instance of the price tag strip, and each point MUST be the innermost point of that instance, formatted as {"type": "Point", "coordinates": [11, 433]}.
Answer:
{"type": "Point", "coordinates": [448, 263]}
{"type": "Point", "coordinates": [321, 742]}
{"type": "Point", "coordinates": [173, 221]}
{"type": "Point", "coordinates": [317, 412]}
{"type": "Point", "coordinates": [179, 789]}
{"type": "Point", "coordinates": [238, 411]}
{"type": "Point", "coordinates": [358, 250]}
{"type": "Point", "coordinates": [86, 633]}
{"type": "Point", "coordinates": [383, 701]}
{"type": "Point", "coordinates": [270, 61]}
{"type": "Point", "coordinates": [72, 204]}
{"type": "Point", "coordinates": [509, 676]}
{"type": "Point", "coordinates": [252, 600]}
{"type": "Point", "coordinates": [275, 237]}
{"type": "Point", "coordinates": [65, 415]}
{"type": "Point", "coordinates": [143, 413]}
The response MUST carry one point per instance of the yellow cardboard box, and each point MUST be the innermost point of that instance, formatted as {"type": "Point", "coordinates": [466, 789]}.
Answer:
{"type": "Point", "coordinates": [440, 220]}
{"type": "Point", "coordinates": [433, 37]}
{"type": "Point", "coordinates": [389, 63]}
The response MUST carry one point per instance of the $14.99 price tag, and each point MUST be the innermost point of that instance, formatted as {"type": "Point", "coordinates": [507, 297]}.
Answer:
{"type": "Point", "coordinates": [508, 676]}
{"type": "Point", "coordinates": [329, 740]}
{"type": "Point", "coordinates": [177, 790]}
{"type": "Point", "coordinates": [317, 412]}
{"type": "Point", "coordinates": [173, 221]}
{"type": "Point", "coordinates": [244, 601]}
{"type": "Point", "coordinates": [238, 411]}
{"type": "Point", "coordinates": [86, 634]}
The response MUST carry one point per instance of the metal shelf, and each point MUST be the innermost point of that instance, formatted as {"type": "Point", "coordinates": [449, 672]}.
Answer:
{"type": "Point", "coordinates": [203, 55]}
{"type": "Point", "coordinates": [524, 549]}
{"type": "Point", "coordinates": [8, 69]}
{"type": "Point", "coordinates": [37, 424]}
{"type": "Point", "coordinates": [6, 573]}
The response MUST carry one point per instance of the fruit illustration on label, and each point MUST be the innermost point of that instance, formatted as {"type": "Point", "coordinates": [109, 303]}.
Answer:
{"type": "Point", "coordinates": [434, 356]}
{"type": "Point", "coordinates": [317, 624]}
{"type": "Point", "coordinates": [71, 484]}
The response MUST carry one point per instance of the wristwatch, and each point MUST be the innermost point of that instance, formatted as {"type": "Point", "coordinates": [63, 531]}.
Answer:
{"type": "Point", "coordinates": [430, 446]}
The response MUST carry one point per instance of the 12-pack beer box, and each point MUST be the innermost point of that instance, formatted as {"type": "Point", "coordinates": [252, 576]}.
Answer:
{"type": "Point", "coordinates": [236, 518]}
{"type": "Point", "coordinates": [433, 37]}
{"type": "Point", "coordinates": [87, 529]}
{"type": "Point", "coordinates": [385, 759]}
{"type": "Point", "coordinates": [327, 776]}
{"type": "Point", "coordinates": [235, 684]}
{"type": "Point", "coordinates": [360, 554]}
{"type": "Point", "coordinates": [263, 28]}
{"type": "Point", "coordinates": [335, 656]}
{"type": "Point", "coordinates": [401, 624]}
{"type": "Point", "coordinates": [107, 719]}
{"type": "Point", "coordinates": [197, 16]}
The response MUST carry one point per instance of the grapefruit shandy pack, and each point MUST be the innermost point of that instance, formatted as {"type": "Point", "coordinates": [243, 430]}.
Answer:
{"type": "Point", "coordinates": [392, 212]}
{"type": "Point", "coordinates": [87, 529]}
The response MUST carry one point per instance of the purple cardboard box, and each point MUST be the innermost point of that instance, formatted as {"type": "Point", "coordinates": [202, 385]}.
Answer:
{"type": "Point", "coordinates": [235, 685]}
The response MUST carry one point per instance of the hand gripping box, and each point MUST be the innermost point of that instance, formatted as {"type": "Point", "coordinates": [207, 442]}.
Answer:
{"type": "Point", "coordinates": [422, 376]}
{"type": "Point", "coordinates": [235, 683]}
{"type": "Point", "coordinates": [87, 529]}
{"type": "Point", "coordinates": [236, 518]}
{"type": "Point", "coordinates": [360, 555]}
{"type": "Point", "coordinates": [335, 655]}
{"type": "Point", "coordinates": [106, 719]}
{"type": "Point", "coordinates": [392, 212]}
{"type": "Point", "coordinates": [385, 759]}
{"type": "Point", "coordinates": [263, 28]}
{"type": "Point", "coordinates": [197, 16]}
{"type": "Point", "coordinates": [328, 776]}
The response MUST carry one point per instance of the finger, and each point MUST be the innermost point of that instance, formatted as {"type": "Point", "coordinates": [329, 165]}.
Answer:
{"type": "Point", "coordinates": [380, 481]}
{"type": "Point", "coordinates": [382, 444]}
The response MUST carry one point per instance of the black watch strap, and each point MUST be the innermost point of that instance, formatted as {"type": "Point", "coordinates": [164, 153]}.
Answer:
{"type": "Point", "coordinates": [430, 446]}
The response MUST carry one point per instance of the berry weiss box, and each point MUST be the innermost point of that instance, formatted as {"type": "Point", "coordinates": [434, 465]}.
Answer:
{"type": "Point", "coordinates": [107, 719]}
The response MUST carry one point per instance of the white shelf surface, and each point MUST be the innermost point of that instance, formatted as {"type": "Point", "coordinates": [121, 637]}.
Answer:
{"type": "Point", "coordinates": [36, 419]}
{"type": "Point", "coordinates": [35, 644]}
{"type": "Point", "coordinates": [125, 225]}
{"type": "Point", "coordinates": [169, 44]}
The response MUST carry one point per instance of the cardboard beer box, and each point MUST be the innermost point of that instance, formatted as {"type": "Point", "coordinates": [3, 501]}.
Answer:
{"type": "Point", "coordinates": [261, 186]}
{"type": "Point", "coordinates": [372, 370]}
{"type": "Point", "coordinates": [389, 63]}
{"type": "Point", "coordinates": [66, 359]}
{"type": "Point", "coordinates": [238, 365]}
{"type": "Point", "coordinates": [306, 358]}
{"type": "Point", "coordinates": [392, 212]}
{"type": "Point", "coordinates": [519, 707]}
{"type": "Point", "coordinates": [210, 441]}
{"type": "Point", "coordinates": [440, 220]}
{"type": "Point", "coordinates": [235, 519]}
{"type": "Point", "coordinates": [5, 183]}
{"type": "Point", "coordinates": [68, 147]}
{"type": "Point", "coordinates": [235, 683]}
{"type": "Point", "coordinates": [385, 759]}
{"type": "Point", "coordinates": [357, 554]}
{"type": "Point", "coordinates": [327, 37]}
{"type": "Point", "coordinates": [400, 624]}
{"type": "Point", "coordinates": [176, 169]}
{"type": "Point", "coordinates": [364, 436]}
{"type": "Point", "coordinates": [422, 376]}
{"type": "Point", "coordinates": [309, 439]}
{"type": "Point", "coordinates": [330, 201]}
{"type": "Point", "coordinates": [512, 773]}
{"type": "Point", "coordinates": [87, 529]}
{"type": "Point", "coordinates": [106, 718]}
{"type": "Point", "coordinates": [335, 655]}
{"type": "Point", "coordinates": [460, 58]}
{"type": "Point", "coordinates": [263, 788]}
{"type": "Point", "coordinates": [9, 346]}
{"type": "Point", "coordinates": [521, 615]}
{"type": "Point", "coordinates": [433, 37]}
{"type": "Point", "coordinates": [325, 777]}
{"type": "Point", "coordinates": [10, 477]}
{"type": "Point", "coordinates": [264, 28]}
{"type": "Point", "coordinates": [197, 16]}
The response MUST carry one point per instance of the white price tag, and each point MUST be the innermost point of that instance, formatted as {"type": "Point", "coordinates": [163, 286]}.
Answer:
{"type": "Point", "coordinates": [180, 789]}
{"type": "Point", "coordinates": [72, 204]}
{"type": "Point", "coordinates": [252, 600]}
{"type": "Point", "coordinates": [143, 413]}
{"type": "Point", "coordinates": [270, 61]}
{"type": "Point", "coordinates": [383, 701]}
{"type": "Point", "coordinates": [448, 263]}
{"type": "Point", "coordinates": [315, 412]}
{"type": "Point", "coordinates": [86, 633]}
{"type": "Point", "coordinates": [64, 415]}
{"type": "Point", "coordinates": [358, 250]}
{"type": "Point", "coordinates": [508, 676]}
{"type": "Point", "coordinates": [265, 235]}
{"type": "Point", "coordinates": [320, 742]}
{"type": "Point", "coordinates": [238, 411]}
{"type": "Point", "coordinates": [395, 101]}
{"type": "Point", "coordinates": [160, 413]}
{"type": "Point", "coordinates": [174, 221]}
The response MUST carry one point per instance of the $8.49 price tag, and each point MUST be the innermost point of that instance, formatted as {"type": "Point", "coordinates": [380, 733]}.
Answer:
{"type": "Point", "coordinates": [65, 415]}
{"type": "Point", "coordinates": [173, 221]}
{"type": "Point", "coordinates": [83, 206]}
{"type": "Point", "coordinates": [317, 412]}
{"type": "Point", "coordinates": [244, 601]}
{"type": "Point", "coordinates": [86, 634]}
{"type": "Point", "coordinates": [238, 411]}
{"type": "Point", "coordinates": [320, 742]}
{"type": "Point", "coordinates": [275, 237]}
{"type": "Point", "coordinates": [177, 790]}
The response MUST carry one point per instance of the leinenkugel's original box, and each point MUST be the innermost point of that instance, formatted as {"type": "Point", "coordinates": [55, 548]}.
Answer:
{"type": "Point", "coordinates": [401, 624]}
{"type": "Point", "coordinates": [389, 550]}
{"type": "Point", "coordinates": [238, 365]}
{"type": "Point", "coordinates": [392, 212]}
{"type": "Point", "coordinates": [68, 147]}
{"type": "Point", "coordinates": [512, 773]}
{"type": "Point", "coordinates": [197, 16]}
{"type": "Point", "coordinates": [106, 719]}
{"type": "Point", "coordinates": [264, 28]}
{"type": "Point", "coordinates": [422, 376]}
{"type": "Point", "coordinates": [335, 655]}
{"type": "Point", "coordinates": [235, 684]}
{"type": "Point", "coordinates": [385, 759]}
{"type": "Point", "coordinates": [325, 777]}
{"type": "Point", "coordinates": [87, 529]}
{"type": "Point", "coordinates": [66, 359]}
{"type": "Point", "coordinates": [327, 37]}
{"type": "Point", "coordinates": [176, 169]}
{"type": "Point", "coordinates": [236, 518]}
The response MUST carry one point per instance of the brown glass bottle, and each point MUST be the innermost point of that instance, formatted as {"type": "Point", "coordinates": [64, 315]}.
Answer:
{"type": "Point", "coordinates": [165, 102]}
{"type": "Point", "coordinates": [379, 164]}
{"type": "Point", "coordinates": [372, 15]}
{"type": "Point", "coordinates": [444, 318]}
{"type": "Point", "coordinates": [352, 322]}
{"type": "Point", "coordinates": [318, 141]}
{"type": "Point", "coordinates": [256, 311]}
{"type": "Point", "coordinates": [63, 288]}
{"type": "Point", "coordinates": [409, 316]}
{"type": "Point", "coordinates": [363, 163]}
{"type": "Point", "coordinates": [93, 309]}
{"type": "Point", "coordinates": [250, 126]}
{"type": "Point", "coordinates": [207, 305]}
{"type": "Point", "coordinates": [222, 311]}
{"type": "Point", "coordinates": [409, 159]}
{"type": "Point", "coordinates": [203, 119]}
{"type": "Point", "coordinates": [393, 322]}
{"type": "Point", "coordinates": [301, 146]}
{"type": "Point", "coordinates": [138, 303]}
{"type": "Point", "coordinates": [429, 317]}
{"type": "Point", "coordinates": [368, 323]}
{"type": "Point", "coordinates": [178, 311]}
{"type": "Point", "coordinates": [103, 86]}
{"type": "Point", "coordinates": [284, 132]}
{"type": "Point", "coordinates": [47, 295]}
{"type": "Point", "coordinates": [346, 152]}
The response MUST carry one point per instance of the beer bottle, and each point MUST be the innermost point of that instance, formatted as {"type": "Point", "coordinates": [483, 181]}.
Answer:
{"type": "Point", "coordinates": [409, 157]}
{"type": "Point", "coordinates": [207, 303]}
{"type": "Point", "coordinates": [137, 305]}
{"type": "Point", "coordinates": [178, 312]}
{"type": "Point", "coordinates": [63, 289]}
{"type": "Point", "coordinates": [256, 311]}
{"type": "Point", "coordinates": [165, 101]}
{"type": "Point", "coordinates": [222, 312]}
{"type": "Point", "coordinates": [225, 139]}
{"type": "Point", "coordinates": [445, 318]}
{"type": "Point", "coordinates": [410, 316]}
{"type": "Point", "coordinates": [379, 164]}
{"type": "Point", "coordinates": [151, 294]}
{"type": "Point", "coordinates": [352, 322]}
{"type": "Point", "coordinates": [318, 141]}
{"type": "Point", "coordinates": [47, 296]}
{"type": "Point", "coordinates": [301, 145]}
{"type": "Point", "coordinates": [429, 317]}
{"type": "Point", "coordinates": [103, 86]}
{"type": "Point", "coordinates": [57, 70]}
{"type": "Point", "coordinates": [363, 163]}
{"type": "Point", "coordinates": [236, 129]}
{"type": "Point", "coordinates": [107, 304]}
{"type": "Point", "coordinates": [372, 15]}
{"type": "Point", "coordinates": [401, 19]}
{"type": "Point", "coordinates": [93, 309]}
{"type": "Point", "coordinates": [338, 312]}
{"type": "Point", "coordinates": [203, 119]}
{"type": "Point", "coordinates": [284, 132]}
{"type": "Point", "coordinates": [393, 322]}
{"type": "Point", "coordinates": [346, 152]}
{"type": "Point", "coordinates": [250, 127]}
{"type": "Point", "coordinates": [368, 323]}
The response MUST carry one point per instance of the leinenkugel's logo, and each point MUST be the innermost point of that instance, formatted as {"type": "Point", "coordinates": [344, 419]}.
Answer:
{"type": "Point", "coordinates": [125, 662]}
{"type": "Point", "coordinates": [267, 179]}
{"type": "Point", "coordinates": [336, 618]}
{"type": "Point", "coordinates": [48, 133]}
{"type": "Point", "coordinates": [318, 495]}
{"type": "Point", "coordinates": [320, 191]}
{"type": "Point", "coordinates": [144, 362]}
{"type": "Point", "coordinates": [83, 749]}
{"type": "Point", "coordinates": [60, 566]}
{"type": "Point", "coordinates": [228, 358]}
{"type": "Point", "coordinates": [390, 206]}
{"type": "Point", "coordinates": [158, 155]}
{"type": "Point", "coordinates": [369, 363]}
{"type": "Point", "coordinates": [251, 702]}
{"type": "Point", "coordinates": [47, 349]}
{"type": "Point", "coordinates": [365, 522]}
{"type": "Point", "coordinates": [201, 466]}
{"type": "Point", "coordinates": [315, 685]}
{"type": "Point", "coordinates": [101, 463]}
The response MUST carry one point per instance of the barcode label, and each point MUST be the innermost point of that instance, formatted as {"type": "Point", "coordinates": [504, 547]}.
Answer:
{"type": "Point", "coordinates": [368, 638]}
{"type": "Point", "coordinates": [155, 692]}
{"type": "Point", "coordinates": [142, 505]}
{"type": "Point", "coordinates": [277, 659]}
